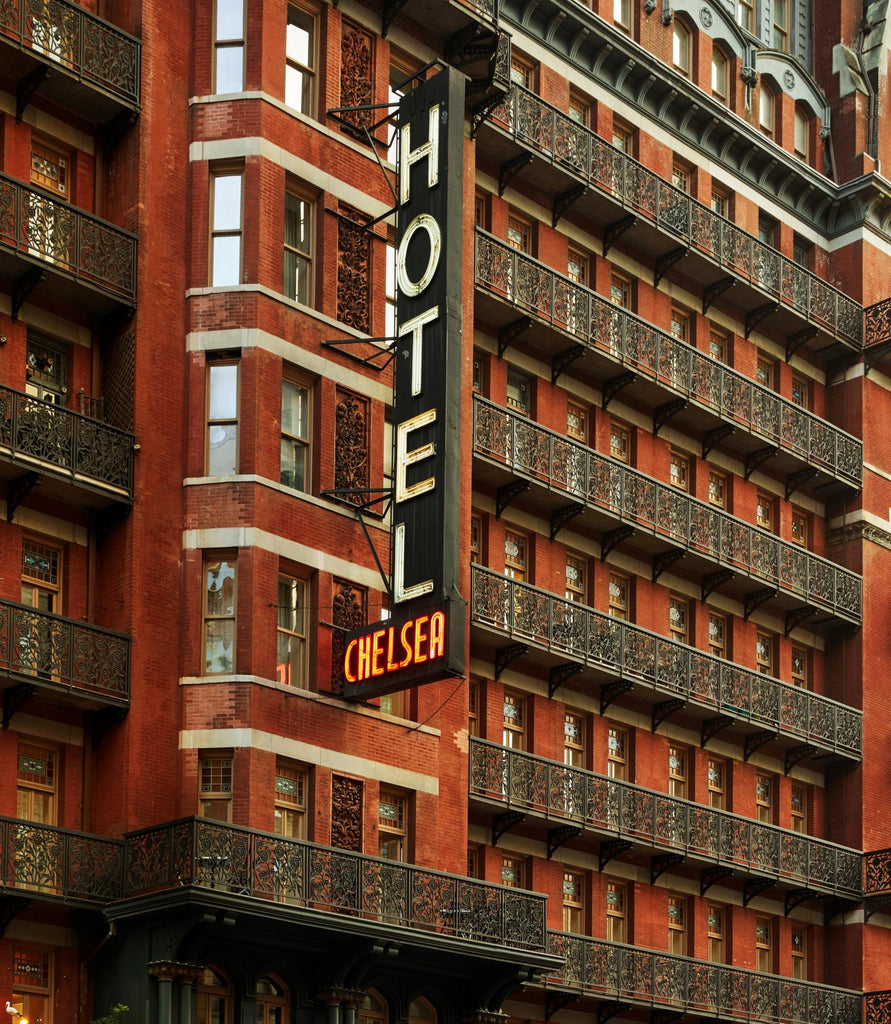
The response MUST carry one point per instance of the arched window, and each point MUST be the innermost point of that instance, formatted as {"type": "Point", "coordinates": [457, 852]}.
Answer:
{"type": "Point", "coordinates": [720, 74]}
{"type": "Point", "coordinates": [214, 998]}
{"type": "Point", "coordinates": [272, 1001]}
{"type": "Point", "coordinates": [766, 108]}
{"type": "Point", "coordinates": [680, 47]}
{"type": "Point", "coordinates": [372, 1009]}
{"type": "Point", "coordinates": [421, 1012]}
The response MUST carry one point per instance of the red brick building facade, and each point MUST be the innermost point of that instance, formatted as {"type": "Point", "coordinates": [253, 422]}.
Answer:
{"type": "Point", "coordinates": [657, 791]}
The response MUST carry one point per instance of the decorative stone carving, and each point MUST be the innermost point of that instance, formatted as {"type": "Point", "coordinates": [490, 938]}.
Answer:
{"type": "Point", "coordinates": [356, 76]}
{"type": "Point", "coordinates": [351, 445]}
{"type": "Point", "coordinates": [348, 612]}
{"type": "Point", "coordinates": [346, 813]}
{"type": "Point", "coordinates": [353, 274]}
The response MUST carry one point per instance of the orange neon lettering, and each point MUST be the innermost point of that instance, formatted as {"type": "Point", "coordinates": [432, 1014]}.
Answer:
{"type": "Point", "coordinates": [364, 667]}
{"type": "Point", "coordinates": [391, 665]}
{"type": "Point", "coordinates": [420, 637]}
{"type": "Point", "coordinates": [406, 645]}
{"type": "Point", "coordinates": [376, 668]}
{"type": "Point", "coordinates": [348, 675]}
{"type": "Point", "coordinates": [437, 635]}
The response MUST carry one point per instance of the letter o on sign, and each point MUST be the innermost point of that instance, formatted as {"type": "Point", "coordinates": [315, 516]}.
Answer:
{"type": "Point", "coordinates": [423, 222]}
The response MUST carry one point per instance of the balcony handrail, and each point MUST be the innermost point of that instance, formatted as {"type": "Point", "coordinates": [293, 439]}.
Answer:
{"type": "Point", "coordinates": [555, 135]}
{"type": "Point", "coordinates": [196, 851]}
{"type": "Point", "coordinates": [59, 862]}
{"type": "Point", "coordinates": [71, 442]}
{"type": "Point", "coordinates": [601, 481]}
{"type": "Point", "coordinates": [629, 339]}
{"type": "Point", "coordinates": [666, 980]}
{"type": "Point", "coordinates": [79, 41]}
{"type": "Point", "coordinates": [582, 634]}
{"type": "Point", "coordinates": [79, 245]}
{"type": "Point", "coordinates": [64, 653]}
{"type": "Point", "coordinates": [538, 784]}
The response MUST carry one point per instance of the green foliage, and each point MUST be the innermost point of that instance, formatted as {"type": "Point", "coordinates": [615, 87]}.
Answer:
{"type": "Point", "coordinates": [115, 1015]}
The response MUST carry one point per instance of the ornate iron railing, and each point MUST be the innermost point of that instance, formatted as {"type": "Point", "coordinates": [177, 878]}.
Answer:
{"type": "Point", "coordinates": [878, 323]}
{"type": "Point", "coordinates": [635, 975]}
{"type": "Point", "coordinates": [586, 476]}
{"type": "Point", "coordinates": [59, 862]}
{"type": "Point", "coordinates": [553, 790]}
{"type": "Point", "coordinates": [64, 653]}
{"type": "Point", "coordinates": [193, 851]}
{"type": "Point", "coordinates": [72, 444]}
{"type": "Point", "coordinates": [877, 873]}
{"type": "Point", "coordinates": [584, 154]}
{"type": "Point", "coordinates": [85, 45]}
{"type": "Point", "coordinates": [578, 633]}
{"type": "Point", "coordinates": [67, 240]}
{"type": "Point", "coordinates": [878, 1007]}
{"type": "Point", "coordinates": [631, 341]}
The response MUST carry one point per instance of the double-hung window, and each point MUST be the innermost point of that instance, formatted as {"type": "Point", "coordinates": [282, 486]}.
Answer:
{"type": "Point", "coordinates": [296, 463]}
{"type": "Point", "coordinates": [291, 640]}
{"type": "Point", "coordinates": [225, 228]}
{"type": "Point", "coordinates": [300, 57]}
{"type": "Point", "coordinates": [228, 40]}
{"type": "Point", "coordinates": [222, 418]}
{"type": "Point", "coordinates": [299, 210]}
{"type": "Point", "coordinates": [219, 614]}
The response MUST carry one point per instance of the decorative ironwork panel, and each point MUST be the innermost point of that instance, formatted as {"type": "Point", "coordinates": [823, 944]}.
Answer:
{"type": "Point", "coordinates": [353, 271]}
{"type": "Point", "coordinates": [877, 864]}
{"type": "Point", "coordinates": [356, 76]}
{"type": "Point", "coordinates": [878, 323]}
{"type": "Point", "coordinates": [346, 813]}
{"type": "Point", "coordinates": [349, 611]}
{"type": "Point", "coordinates": [878, 1008]}
{"type": "Point", "coordinates": [118, 376]}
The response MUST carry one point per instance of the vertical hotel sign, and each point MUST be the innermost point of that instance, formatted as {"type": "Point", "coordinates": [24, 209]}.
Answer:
{"type": "Point", "coordinates": [423, 640]}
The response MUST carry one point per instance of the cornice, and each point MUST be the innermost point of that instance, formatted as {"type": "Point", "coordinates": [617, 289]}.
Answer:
{"type": "Point", "coordinates": [860, 530]}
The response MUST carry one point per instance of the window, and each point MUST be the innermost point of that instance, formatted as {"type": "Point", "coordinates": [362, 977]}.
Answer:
{"type": "Point", "coordinates": [32, 984]}
{"type": "Point", "coordinates": [717, 782]}
{"type": "Point", "coordinates": [717, 489]}
{"type": "Point", "coordinates": [720, 74]}
{"type": "Point", "coordinates": [801, 391]}
{"type": "Point", "coordinates": [214, 1002]}
{"type": "Point", "coordinates": [215, 786]}
{"type": "Point", "coordinates": [767, 233]}
{"type": "Point", "coordinates": [298, 283]}
{"type": "Point", "coordinates": [677, 772]}
{"type": "Point", "coordinates": [680, 47]}
{"type": "Point", "coordinates": [764, 511]}
{"type": "Point", "coordinates": [764, 945]}
{"type": "Point", "coordinates": [579, 109]}
{"type": "Point", "coordinates": [225, 246]}
{"type": "Point", "coordinates": [574, 739]}
{"type": "Point", "coordinates": [720, 202]}
{"type": "Point", "coordinates": [618, 596]}
{"type": "Point", "coordinates": [473, 708]}
{"type": "Point", "coordinates": [219, 615]}
{"type": "Point", "coordinates": [617, 753]}
{"type": "Point", "coordinates": [766, 106]}
{"type": "Point", "coordinates": [372, 1010]}
{"type": "Point", "coordinates": [273, 1006]}
{"type": "Point", "coordinates": [745, 14]}
{"type": "Point", "coordinates": [616, 920]}
{"type": "Point", "coordinates": [798, 801]}
{"type": "Point", "coordinates": [290, 802]}
{"type": "Point", "coordinates": [718, 345]}
{"type": "Point", "coordinates": [623, 138]}
{"type": "Point", "coordinates": [229, 46]}
{"type": "Point", "coordinates": [391, 825]}
{"type": "Point", "coordinates": [390, 300]}
{"type": "Point", "coordinates": [515, 550]}
{"type": "Point", "coordinates": [476, 539]}
{"type": "Point", "coordinates": [573, 901]}
{"type": "Point", "coordinates": [764, 789]}
{"type": "Point", "coordinates": [677, 925]}
{"type": "Point", "coordinates": [764, 372]}
{"type": "Point", "coordinates": [802, 132]}
{"type": "Point", "coordinates": [45, 369]}
{"type": "Point", "coordinates": [798, 943]}
{"type": "Point", "coordinates": [619, 442]}
{"type": "Point", "coordinates": [679, 470]}
{"type": "Point", "coordinates": [799, 527]}
{"type": "Point", "coordinates": [577, 421]}
{"type": "Point", "coordinates": [513, 731]}
{"type": "Point", "coordinates": [519, 233]}
{"type": "Point", "coordinates": [296, 467]}
{"type": "Point", "coordinates": [781, 25]}
{"type": "Point", "coordinates": [678, 619]}
{"type": "Point", "coordinates": [50, 167]}
{"type": "Point", "coordinates": [802, 252]}
{"type": "Point", "coordinates": [519, 391]}
{"type": "Point", "coordinates": [300, 56]}
{"type": "Point", "coordinates": [576, 579]}
{"type": "Point", "coordinates": [620, 290]}
{"type": "Point", "coordinates": [291, 653]}
{"type": "Point", "coordinates": [799, 666]}
{"type": "Point", "coordinates": [715, 921]}
{"type": "Point", "coordinates": [717, 633]}
{"type": "Point", "coordinates": [222, 418]}
{"type": "Point", "coordinates": [578, 267]}
{"type": "Point", "coordinates": [37, 781]}
{"type": "Point", "coordinates": [622, 13]}
{"type": "Point", "coordinates": [680, 177]}
{"type": "Point", "coordinates": [479, 372]}
{"type": "Point", "coordinates": [680, 324]}
{"type": "Point", "coordinates": [39, 646]}
{"type": "Point", "coordinates": [512, 873]}
{"type": "Point", "coordinates": [764, 652]}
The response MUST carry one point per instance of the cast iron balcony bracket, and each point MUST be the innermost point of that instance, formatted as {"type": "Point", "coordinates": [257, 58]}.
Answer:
{"type": "Point", "coordinates": [561, 517]}
{"type": "Point", "coordinates": [531, 454]}
{"type": "Point", "coordinates": [611, 848]}
{"type": "Point", "coordinates": [561, 835]}
{"type": "Point", "coordinates": [662, 863]}
{"type": "Point", "coordinates": [505, 655]}
{"type": "Point", "coordinates": [14, 698]}
{"type": "Point", "coordinates": [640, 349]}
{"type": "Point", "coordinates": [510, 169]}
{"type": "Point", "coordinates": [711, 876]}
{"type": "Point", "coordinates": [634, 656]}
{"type": "Point", "coordinates": [503, 823]}
{"type": "Point", "coordinates": [559, 674]}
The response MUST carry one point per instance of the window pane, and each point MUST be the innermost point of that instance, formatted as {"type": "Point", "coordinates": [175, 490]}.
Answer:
{"type": "Point", "coordinates": [230, 19]}
{"type": "Point", "coordinates": [221, 449]}
{"type": "Point", "coordinates": [298, 89]}
{"type": "Point", "coordinates": [220, 588]}
{"type": "Point", "coordinates": [223, 402]}
{"type": "Point", "coordinates": [227, 202]}
{"type": "Point", "coordinates": [294, 408]}
{"type": "Point", "coordinates": [299, 42]}
{"type": "Point", "coordinates": [226, 260]}
{"type": "Point", "coordinates": [219, 636]}
{"type": "Point", "coordinates": [297, 226]}
{"type": "Point", "coordinates": [230, 69]}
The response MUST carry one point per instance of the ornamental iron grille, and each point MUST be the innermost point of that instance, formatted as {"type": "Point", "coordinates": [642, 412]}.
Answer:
{"type": "Point", "coordinates": [346, 813]}
{"type": "Point", "coordinates": [589, 637]}
{"type": "Point", "coordinates": [118, 375]}
{"type": "Point", "coordinates": [878, 323]}
{"type": "Point", "coordinates": [64, 654]}
{"type": "Point", "coordinates": [675, 365]}
{"type": "Point", "coordinates": [720, 992]}
{"type": "Point", "coordinates": [604, 483]}
{"type": "Point", "coordinates": [349, 611]}
{"type": "Point", "coordinates": [66, 240]}
{"type": "Point", "coordinates": [353, 272]}
{"type": "Point", "coordinates": [582, 153]}
{"type": "Point", "coordinates": [65, 442]}
{"type": "Point", "coordinates": [878, 1007]}
{"type": "Point", "coordinates": [356, 78]}
{"type": "Point", "coordinates": [554, 791]}
{"type": "Point", "coordinates": [230, 859]}
{"type": "Point", "coordinates": [877, 879]}
{"type": "Point", "coordinates": [351, 446]}
{"type": "Point", "coordinates": [59, 862]}
{"type": "Point", "coordinates": [77, 41]}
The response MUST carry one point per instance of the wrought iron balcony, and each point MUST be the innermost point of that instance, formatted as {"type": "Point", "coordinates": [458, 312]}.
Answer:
{"type": "Point", "coordinates": [43, 861]}
{"type": "Point", "coordinates": [791, 575]}
{"type": "Point", "coordinates": [198, 852]}
{"type": "Point", "coordinates": [48, 652]}
{"type": "Point", "coordinates": [641, 977]}
{"type": "Point", "coordinates": [70, 255]}
{"type": "Point", "coordinates": [557, 632]}
{"type": "Point", "coordinates": [75, 452]}
{"type": "Point", "coordinates": [878, 873]}
{"type": "Point", "coordinates": [71, 56]}
{"type": "Point", "coordinates": [581, 168]}
{"type": "Point", "coordinates": [608, 807]}
{"type": "Point", "coordinates": [711, 397]}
